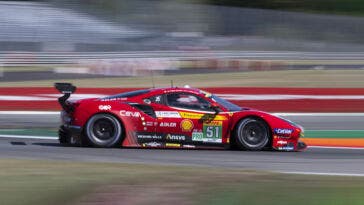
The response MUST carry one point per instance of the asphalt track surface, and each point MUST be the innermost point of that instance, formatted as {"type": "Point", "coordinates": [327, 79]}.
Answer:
{"type": "Point", "coordinates": [314, 160]}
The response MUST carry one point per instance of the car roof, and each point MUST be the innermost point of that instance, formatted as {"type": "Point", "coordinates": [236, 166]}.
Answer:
{"type": "Point", "coordinates": [174, 89]}
{"type": "Point", "coordinates": [154, 91]}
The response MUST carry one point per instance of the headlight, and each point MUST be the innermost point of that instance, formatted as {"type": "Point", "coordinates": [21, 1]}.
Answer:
{"type": "Point", "coordinates": [295, 125]}
{"type": "Point", "coordinates": [302, 134]}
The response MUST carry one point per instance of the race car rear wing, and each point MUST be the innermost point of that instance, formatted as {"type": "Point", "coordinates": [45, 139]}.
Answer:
{"type": "Point", "coordinates": [67, 89]}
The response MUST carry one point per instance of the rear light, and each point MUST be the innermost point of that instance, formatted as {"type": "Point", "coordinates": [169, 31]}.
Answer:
{"type": "Point", "coordinates": [75, 104]}
{"type": "Point", "coordinates": [71, 106]}
{"type": "Point", "coordinates": [65, 117]}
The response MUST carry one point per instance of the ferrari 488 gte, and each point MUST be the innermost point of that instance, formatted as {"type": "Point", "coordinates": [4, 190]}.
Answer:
{"type": "Point", "coordinates": [172, 118]}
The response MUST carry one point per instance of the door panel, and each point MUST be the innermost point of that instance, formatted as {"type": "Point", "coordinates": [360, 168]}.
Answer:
{"type": "Point", "coordinates": [143, 133]}
{"type": "Point", "coordinates": [189, 127]}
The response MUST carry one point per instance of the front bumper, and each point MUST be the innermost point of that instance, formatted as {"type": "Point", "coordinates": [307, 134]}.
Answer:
{"type": "Point", "coordinates": [288, 144]}
{"type": "Point", "coordinates": [301, 146]}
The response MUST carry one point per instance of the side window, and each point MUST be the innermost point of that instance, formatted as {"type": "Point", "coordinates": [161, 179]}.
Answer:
{"type": "Point", "coordinates": [188, 101]}
{"type": "Point", "coordinates": [156, 99]}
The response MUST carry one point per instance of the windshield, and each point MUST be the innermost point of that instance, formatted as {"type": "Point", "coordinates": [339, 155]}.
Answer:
{"type": "Point", "coordinates": [228, 105]}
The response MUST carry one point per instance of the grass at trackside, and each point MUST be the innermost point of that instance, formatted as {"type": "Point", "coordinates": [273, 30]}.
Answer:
{"type": "Point", "coordinates": [26, 68]}
{"type": "Point", "coordinates": [47, 182]}
{"type": "Point", "coordinates": [292, 78]}
{"type": "Point", "coordinates": [334, 133]}
{"type": "Point", "coordinates": [32, 132]}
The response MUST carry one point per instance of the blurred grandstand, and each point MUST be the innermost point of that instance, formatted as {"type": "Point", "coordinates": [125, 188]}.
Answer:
{"type": "Point", "coordinates": [107, 37]}
{"type": "Point", "coordinates": [170, 25]}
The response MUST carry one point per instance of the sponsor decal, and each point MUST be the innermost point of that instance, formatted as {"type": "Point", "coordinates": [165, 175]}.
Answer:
{"type": "Point", "coordinates": [213, 123]}
{"type": "Point", "coordinates": [125, 113]}
{"type": "Point", "coordinates": [175, 137]}
{"type": "Point", "coordinates": [152, 144]}
{"type": "Point", "coordinates": [197, 136]}
{"type": "Point", "coordinates": [104, 107]}
{"type": "Point", "coordinates": [173, 145]}
{"type": "Point", "coordinates": [112, 99]}
{"type": "Point", "coordinates": [282, 131]}
{"type": "Point", "coordinates": [188, 146]}
{"type": "Point", "coordinates": [173, 91]}
{"type": "Point", "coordinates": [167, 114]}
{"type": "Point", "coordinates": [190, 115]}
{"type": "Point", "coordinates": [167, 124]}
{"type": "Point", "coordinates": [147, 136]}
{"type": "Point", "coordinates": [212, 132]}
{"type": "Point", "coordinates": [149, 124]}
{"type": "Point", "coordinates": [196, 116]}
{"type": "Point", "coordinates": [286, 148]}
{"type": "Point", "coordinates": [186, 125]}
{"type": "Point", "coordinates": [282, 142]}
{"type": "Point", "coordinates": [158, 99]}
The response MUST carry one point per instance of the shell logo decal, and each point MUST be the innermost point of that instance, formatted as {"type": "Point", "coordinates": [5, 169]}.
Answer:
{"type": "Point", "coordinates": [186, 125]}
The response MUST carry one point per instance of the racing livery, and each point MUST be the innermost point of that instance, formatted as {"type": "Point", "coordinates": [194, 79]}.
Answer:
{"type": "Point", "coordinates": [171, 118]}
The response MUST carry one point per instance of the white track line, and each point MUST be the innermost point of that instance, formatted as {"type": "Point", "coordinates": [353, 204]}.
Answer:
{"type": "Point", "coordinates": [327, 147]}
{"type": "Point", "coordinates": [28, 137]}
{"type": "Point", "coordinates": [326, 174]}
{"type": "Point", "coordinates": [29, 112]}
{"type": "Point", "coordinates": [246, 97]}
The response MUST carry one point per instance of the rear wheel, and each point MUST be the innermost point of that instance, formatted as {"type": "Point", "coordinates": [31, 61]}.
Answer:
{"type": "Point", "coordinates": [103, 130]}
{"type": "Point", "coordinates": [252, 134]}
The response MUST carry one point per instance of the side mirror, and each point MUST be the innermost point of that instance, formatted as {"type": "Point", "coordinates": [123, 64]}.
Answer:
{"type": "Point", "coordinates": [215, 107]}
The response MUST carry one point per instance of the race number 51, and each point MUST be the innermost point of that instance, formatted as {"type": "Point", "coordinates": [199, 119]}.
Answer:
{"type": "Point", "coordinates": [213, 130]}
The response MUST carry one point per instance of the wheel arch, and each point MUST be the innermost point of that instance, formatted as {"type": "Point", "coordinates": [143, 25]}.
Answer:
{"type": "Point", "coordinates": [123, 130]}
{"type": "Point", "coordinates": [108, 113]}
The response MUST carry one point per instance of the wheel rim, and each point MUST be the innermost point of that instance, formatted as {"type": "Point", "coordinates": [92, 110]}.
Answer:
{"type": "Point", "coordinates": [254, 134]}
{"type": "Point", "coordinates": [103, 130]}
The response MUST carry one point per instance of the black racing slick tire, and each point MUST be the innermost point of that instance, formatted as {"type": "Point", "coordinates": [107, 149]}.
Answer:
{"type": "Point", "coordinates": [103, 130]}
{"type": "Point", "coordinates": [252, 134]}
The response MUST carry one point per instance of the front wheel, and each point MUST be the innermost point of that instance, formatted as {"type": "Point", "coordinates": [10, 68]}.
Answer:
{"type": "Point", "coordinates": [252, 134]}
{"type": "Point", "coordinates": [103, 130]}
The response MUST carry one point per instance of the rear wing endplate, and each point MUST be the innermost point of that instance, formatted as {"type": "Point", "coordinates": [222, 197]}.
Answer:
{"type": "Point", "coordinates": [67, 89]}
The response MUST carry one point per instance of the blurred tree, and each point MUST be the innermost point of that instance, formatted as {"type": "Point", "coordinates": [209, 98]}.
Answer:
{"type": "Point", "coordinates": [325, 6]}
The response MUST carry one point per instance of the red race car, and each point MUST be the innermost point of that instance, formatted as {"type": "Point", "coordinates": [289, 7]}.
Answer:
{"type": "Point", "coordinates": [172, 118]}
